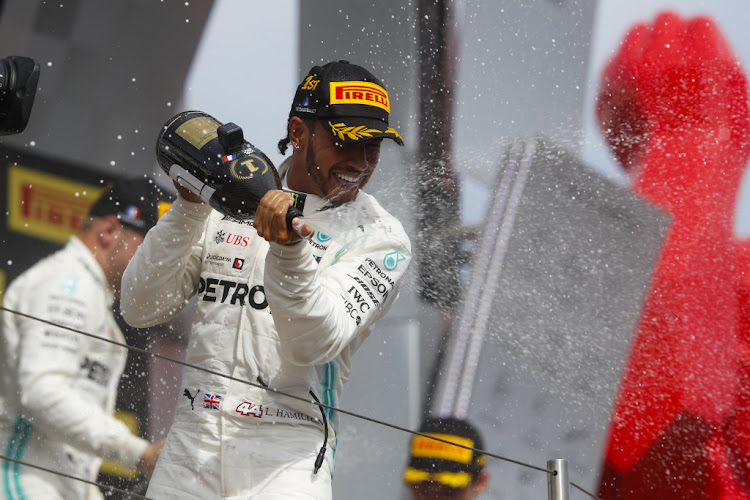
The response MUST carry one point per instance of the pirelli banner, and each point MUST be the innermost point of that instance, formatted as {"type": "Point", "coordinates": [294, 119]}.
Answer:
{"type": "Point", "coordinates": [46, 206]}
{"type": "Point", "coordinates": [45, 201]}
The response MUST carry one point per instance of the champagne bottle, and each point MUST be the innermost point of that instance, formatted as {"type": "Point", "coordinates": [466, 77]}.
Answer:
{"type": "Point", "coordinates": [214, 162]}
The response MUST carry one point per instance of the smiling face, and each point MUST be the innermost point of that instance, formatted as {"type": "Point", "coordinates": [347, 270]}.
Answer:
{"type": "Point", "coordinates": [329, 167]}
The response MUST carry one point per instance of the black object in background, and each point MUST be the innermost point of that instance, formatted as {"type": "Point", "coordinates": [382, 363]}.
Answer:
{"type": "Point", "coordinates": [19, 77]}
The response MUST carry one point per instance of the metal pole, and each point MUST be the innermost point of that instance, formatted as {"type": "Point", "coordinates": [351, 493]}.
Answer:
{"type": "Point", "coordinates": [557, 481]}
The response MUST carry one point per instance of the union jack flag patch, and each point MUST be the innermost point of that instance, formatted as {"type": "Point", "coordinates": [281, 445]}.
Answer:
{"type": "Point", "coordinates": [212, 401]}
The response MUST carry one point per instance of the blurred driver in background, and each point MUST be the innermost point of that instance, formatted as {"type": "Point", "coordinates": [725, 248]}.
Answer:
{"type": "Point", "coordinates": [441, 471]}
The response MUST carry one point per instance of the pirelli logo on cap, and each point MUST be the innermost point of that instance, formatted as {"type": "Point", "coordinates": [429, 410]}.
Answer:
{"type": "Point", "coordinates": [47, 206]}
{"type": "Point", "coordinates": [368, 94]}
{"type": "Point", "coordinates": [425, 447]}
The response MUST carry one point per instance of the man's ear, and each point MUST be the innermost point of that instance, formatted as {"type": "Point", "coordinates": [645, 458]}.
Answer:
{"type": "Point", "coordinates": [481, 483]}
{"type": "Point", "coordinates": [107, 231]}
{"type": "Point", "coordinates": [298, 133]}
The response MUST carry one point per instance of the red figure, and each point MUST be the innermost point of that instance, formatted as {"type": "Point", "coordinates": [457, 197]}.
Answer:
{"type": "Point", "coordinates": [737, 429]}
{"type": "Point", "coordinates": [673, 106]}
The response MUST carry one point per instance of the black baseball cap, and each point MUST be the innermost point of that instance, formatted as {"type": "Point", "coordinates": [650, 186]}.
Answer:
{"type": "Point", "coordinates": [438, 461]}
{"type": "Point", "coordinates": [348, 100]}
{"type": "Point", "coordinates": [138, 203]}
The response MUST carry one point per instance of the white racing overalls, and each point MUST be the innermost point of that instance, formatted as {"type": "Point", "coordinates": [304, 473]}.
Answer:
{"type": "Point", "coordinates": [284, 317]}
{"type": "Point", "coordinates": [58, 388]}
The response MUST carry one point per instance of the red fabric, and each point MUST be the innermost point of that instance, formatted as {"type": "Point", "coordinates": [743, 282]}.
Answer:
{"type": "Point", "coordinates": [673, 106]}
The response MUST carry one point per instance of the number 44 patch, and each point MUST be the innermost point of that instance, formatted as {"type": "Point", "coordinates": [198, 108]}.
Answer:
{"type": "Point", "coordinates": [253, 409]}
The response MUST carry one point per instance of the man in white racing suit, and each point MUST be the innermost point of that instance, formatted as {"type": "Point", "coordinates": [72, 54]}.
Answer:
{"type": "Point", "coordinates": [283, 313]}
{"type": "Point", "coordinates": [58, 388]}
